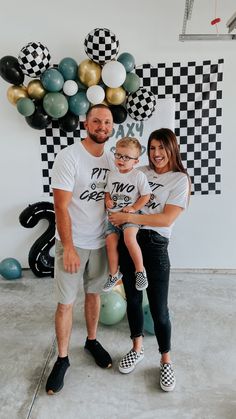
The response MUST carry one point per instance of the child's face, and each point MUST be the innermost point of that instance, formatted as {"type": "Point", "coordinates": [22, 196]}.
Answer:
{"type": "Point", "coordinates": [126, 158]}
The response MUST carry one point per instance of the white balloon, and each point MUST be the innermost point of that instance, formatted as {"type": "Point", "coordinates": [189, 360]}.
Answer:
{"type": "Point", "coordinates": [113, 74]}
{"type": "Point", "coordinates": [70, 87]}
{"type": "Point", "coordinates": [95, 94]}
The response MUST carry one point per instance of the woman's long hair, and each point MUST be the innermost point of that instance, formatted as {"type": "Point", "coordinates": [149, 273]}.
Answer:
{"type": "Point", "coordinates": [169, 141]}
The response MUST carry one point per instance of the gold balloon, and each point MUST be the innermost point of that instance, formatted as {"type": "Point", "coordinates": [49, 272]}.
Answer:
{"type": "Point", "coordinates": [89, 73]}
{"type": "Point", "coordinates": [36, 90]}
{"type": "Point", "coordinates": [115, 96]}
{"type": "Point", "coordinates": [14, 93]}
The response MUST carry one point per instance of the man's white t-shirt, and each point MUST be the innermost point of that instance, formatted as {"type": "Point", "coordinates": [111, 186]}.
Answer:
{"type": "Point", "coordinates": [167, 188]}
{"type": "Point", "coordinates": [76, 170]}
{"type": "Point", "coordinates": [126, 188]}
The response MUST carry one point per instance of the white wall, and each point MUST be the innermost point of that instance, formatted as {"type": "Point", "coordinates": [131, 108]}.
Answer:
{"type": "Point", "coordinates": [204, 237]}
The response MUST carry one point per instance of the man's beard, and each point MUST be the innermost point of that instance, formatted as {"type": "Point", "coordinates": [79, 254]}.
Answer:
{"type": "Point", "coordinates": [94, 137]}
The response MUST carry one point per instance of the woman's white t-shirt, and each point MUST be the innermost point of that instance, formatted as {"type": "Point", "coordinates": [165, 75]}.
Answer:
{"type": "Point", "coordinates": [167, 188]}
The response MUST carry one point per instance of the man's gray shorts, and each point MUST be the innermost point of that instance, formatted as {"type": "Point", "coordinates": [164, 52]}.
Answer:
{"type": "Point", "coordinates": [93, 270]}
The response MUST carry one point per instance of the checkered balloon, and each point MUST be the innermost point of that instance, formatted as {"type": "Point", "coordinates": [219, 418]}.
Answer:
{"type": "Point", "coordinates": [34, 59]}
{"type": "Point", "coordinates": [141, 104]}
{"type": "Point", "coordinates": [101, 45]}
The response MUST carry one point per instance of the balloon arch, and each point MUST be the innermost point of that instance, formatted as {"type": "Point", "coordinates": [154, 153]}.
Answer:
{"type": "Point", "coordinates": [66, 91]}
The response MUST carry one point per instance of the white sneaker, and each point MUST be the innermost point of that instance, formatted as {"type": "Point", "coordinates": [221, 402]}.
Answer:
{"type": "Point", "coordinates": [130, 360]}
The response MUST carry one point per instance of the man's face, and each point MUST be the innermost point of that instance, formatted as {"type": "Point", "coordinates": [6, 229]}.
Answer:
{"type": "Point", "coordinates": [99, 125]}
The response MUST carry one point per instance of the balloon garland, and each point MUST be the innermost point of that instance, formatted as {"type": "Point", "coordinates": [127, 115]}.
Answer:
{"type": "Point", "coordinates": [66, 91]}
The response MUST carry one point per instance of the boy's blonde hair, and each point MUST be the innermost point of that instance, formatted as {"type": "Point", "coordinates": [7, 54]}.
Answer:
{"type": "Point", "coordinates": [130, 142]}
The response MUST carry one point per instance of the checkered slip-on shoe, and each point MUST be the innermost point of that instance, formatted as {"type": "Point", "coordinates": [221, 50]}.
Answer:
{"type": "Point", "coordinates": [130, 360]}
{"type": "Point", "coordinates": [141, 280]}
{"type": "Point", "coordinates": [111, 282]}
{"type": "Point", "coordinates": [167, 377]}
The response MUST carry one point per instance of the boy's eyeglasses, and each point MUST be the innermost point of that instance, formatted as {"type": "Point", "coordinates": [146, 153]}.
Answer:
{"type": "Point", "coordinates": [119, 156]}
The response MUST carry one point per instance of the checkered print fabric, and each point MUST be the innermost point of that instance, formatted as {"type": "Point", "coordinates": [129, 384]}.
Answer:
{"type": "Point", "coordinates": [197, 90]}
{"type": "Point", "coordinates": [167, 376]}
{"type": "Point", "coordinates": [130, 359]}
{"type": "Point", "coordinates": [34, 59]}
{"type": "Point", "coordinates": [141, 104]}
{"type": "Point", "coordinates": [101, 45]}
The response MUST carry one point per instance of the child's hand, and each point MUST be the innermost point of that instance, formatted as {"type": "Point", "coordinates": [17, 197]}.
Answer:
{"type": "Point", "coordinates": [109, 204]}
{"type": "Point", "coordinates": [129, 208]}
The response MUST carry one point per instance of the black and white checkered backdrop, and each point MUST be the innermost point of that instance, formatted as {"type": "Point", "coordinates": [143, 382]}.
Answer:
{"type": "Point", "coordinates": [197, 90]}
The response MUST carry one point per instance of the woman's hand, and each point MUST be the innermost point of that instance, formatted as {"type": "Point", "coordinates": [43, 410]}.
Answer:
{"type": "Point", "coordinates": [118, 218]}
{"type": "Point", "coordinates": [129, 208]}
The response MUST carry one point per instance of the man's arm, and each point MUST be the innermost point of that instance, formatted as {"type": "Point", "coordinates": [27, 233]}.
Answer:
{"type": "Point", "coordinates": [71, 258]}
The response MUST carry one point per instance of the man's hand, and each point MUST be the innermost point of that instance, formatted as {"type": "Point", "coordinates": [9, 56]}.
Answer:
{"type": "Point", "coordinates": [71, 260]}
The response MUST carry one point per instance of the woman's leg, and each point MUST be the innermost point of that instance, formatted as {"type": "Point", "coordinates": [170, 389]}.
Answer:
{"type": "Point", "coordinates": [156, 261]}
{"type": "Point", "coordinates": [134, 297]}
{"type": "Point", "coordinates": [132, 245]}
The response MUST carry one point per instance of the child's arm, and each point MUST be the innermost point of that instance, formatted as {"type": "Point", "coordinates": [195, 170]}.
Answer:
{"type": "Point", "coordinates": [138, 204]}
{"type": "Point", "coordinates": [108, 201]}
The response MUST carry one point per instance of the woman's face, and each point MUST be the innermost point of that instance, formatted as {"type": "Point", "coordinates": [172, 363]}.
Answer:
{"type": "Point", "coordinates": [158, 157]}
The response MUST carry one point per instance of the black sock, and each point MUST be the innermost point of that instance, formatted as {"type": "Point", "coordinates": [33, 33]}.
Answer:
{"type": "Point", "coordinates": [63, 359]}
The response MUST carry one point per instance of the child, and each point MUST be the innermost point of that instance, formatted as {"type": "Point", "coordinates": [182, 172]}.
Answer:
{"type": "Point", "coordinates": [127, 190]}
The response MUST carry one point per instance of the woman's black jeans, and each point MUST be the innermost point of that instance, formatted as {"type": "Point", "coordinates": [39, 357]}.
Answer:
{"type": "Point", "coordinates": [157, 265]}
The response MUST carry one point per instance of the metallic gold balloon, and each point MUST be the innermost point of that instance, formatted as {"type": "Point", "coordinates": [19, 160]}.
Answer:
{"type": "Point", "coordinates": [14, 93]}
{"type": "Point", "coordinates": [89, 73]}
{"type": "Point", "coordinates": [36, 90]}
{"type": "Point", "coordinates": [115, 96]}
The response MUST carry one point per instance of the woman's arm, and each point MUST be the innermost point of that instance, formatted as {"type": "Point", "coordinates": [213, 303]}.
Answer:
{"type": "Point", "coordinates": [164, 219]}
{"type": "Point", "coordinates": [71, 258]}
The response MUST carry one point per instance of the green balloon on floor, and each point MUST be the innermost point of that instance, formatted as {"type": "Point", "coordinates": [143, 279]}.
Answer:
{"type": "Point", "coordinates": [10, 268]}
{"type": "Point", "coordinates": [113, 308]}
{"type": "Point", "coordinates": [148, 322]}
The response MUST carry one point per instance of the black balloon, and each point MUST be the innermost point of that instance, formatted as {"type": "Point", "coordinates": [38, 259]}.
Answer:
{"type": "Point", "coordinates": [11, 71]}
{"type": "Point", "coordinates": [40, 119]}
{"type": "Point", "coordinates": [69, 122]}
{"type": "Point", "coordinates": [40, 260]}
{"type": "Point", "coordinates": [119, 113]}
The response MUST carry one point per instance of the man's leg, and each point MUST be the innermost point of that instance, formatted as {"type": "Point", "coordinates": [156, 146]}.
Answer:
{"type": "Point", "coordinates": [95, 273]}
{"type": "Point", "coordinates": [92, 311]}
{"type": "Point", "coordinates": [63, 325]}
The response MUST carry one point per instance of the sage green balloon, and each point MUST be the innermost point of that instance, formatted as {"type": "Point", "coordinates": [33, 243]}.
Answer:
{"type": "Point", "coordinates": [25, 106]}
{"type": "Point", "coordinates": [131, 83]}
{"type": "Point", "coordinates": [55, 104]}
{"type": "Point", "coordinates": [127, 60]}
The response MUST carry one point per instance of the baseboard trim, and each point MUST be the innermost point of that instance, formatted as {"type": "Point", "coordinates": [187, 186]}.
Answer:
{"type": "Point", "coordinates": [204, 271]}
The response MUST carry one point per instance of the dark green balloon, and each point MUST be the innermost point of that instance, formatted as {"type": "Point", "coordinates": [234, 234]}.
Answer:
{"type": "Point", "coordinates": [55, 104]}
{"type": "Point", "coordinates": [79, 104]}
{"type": "Point", "coordinates": [68, 68]}
{"type": "Point", "coordinates": [25, 106]}
{"type": "Point", "coordinates": [52, 80]}
{"type": "Point", "coordinates": [127, 60]}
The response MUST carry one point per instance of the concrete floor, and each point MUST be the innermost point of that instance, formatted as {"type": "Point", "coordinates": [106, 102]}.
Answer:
{"type": "Point", "coordinates": [203, 317]}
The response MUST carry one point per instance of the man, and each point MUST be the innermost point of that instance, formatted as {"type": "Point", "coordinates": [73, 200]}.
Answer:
{"type": "Point", "coordinates": [78, 180]}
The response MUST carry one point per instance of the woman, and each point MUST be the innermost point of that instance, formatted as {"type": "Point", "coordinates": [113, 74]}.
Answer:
{"type": "Point", "coordinates": [170, 186]}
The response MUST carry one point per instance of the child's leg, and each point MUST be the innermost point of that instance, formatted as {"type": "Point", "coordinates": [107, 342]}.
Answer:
{"type": "Point", "coordinates": [112, 252]}
{"type": "Point", "coordinates": [132, 245]}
